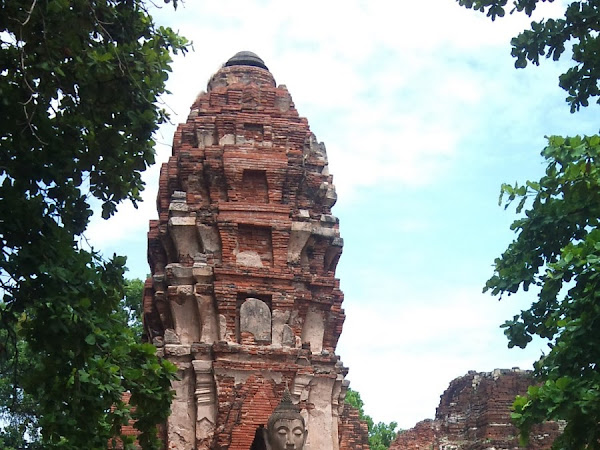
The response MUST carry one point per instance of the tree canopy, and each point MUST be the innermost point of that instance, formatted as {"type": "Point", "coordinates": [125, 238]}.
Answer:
{"type": "Point", "coordinates": [557, 248]}
{"type": "Point", "coordinates": [80, 83]}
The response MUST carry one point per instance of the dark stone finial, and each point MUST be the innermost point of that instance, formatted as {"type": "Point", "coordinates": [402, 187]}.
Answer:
{"type": "Point", "coordinates": [286, 403]}
{"type": "Point", "coordinates": [246, 58]}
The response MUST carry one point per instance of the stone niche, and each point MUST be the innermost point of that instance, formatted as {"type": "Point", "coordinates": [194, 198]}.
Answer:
{"type": "Point", "coordinates": [254, 186]}
{"type": "Point", "coordinates": [254, 246]}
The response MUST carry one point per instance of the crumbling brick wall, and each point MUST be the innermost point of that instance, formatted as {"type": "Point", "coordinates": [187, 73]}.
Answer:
{"type": "Point", "coordinates": [474, 414]}
{"type": "Point", "coordinates": [423, 436]}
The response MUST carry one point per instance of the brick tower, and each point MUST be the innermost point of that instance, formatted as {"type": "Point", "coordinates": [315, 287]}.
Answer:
{"type": "Point", "coordinates": [243, 296]}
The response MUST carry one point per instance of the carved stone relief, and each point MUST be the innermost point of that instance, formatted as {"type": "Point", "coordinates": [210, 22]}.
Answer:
{"type": "Point", "coordinates": [255, 318]}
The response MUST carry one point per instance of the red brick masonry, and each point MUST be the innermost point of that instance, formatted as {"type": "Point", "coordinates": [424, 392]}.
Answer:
{"type": "Point", "coordinates": [474, 414]}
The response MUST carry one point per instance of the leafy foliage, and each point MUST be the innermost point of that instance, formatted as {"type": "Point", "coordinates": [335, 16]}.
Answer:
{"type": "Point", "coordinates": [558, 250]}
{"type": "Point", "coordinates": [131, 305]}
{"type": "Point", "coordinates": [18, 409]}
{"type": "Point", "coordinates": [20, 428]}
{"type": "Point", "coordinates": [580, 26]}
{"type": "Point", "coordinates": [79, 86]}
{"type": "Point", "coordinates": [381, 435]}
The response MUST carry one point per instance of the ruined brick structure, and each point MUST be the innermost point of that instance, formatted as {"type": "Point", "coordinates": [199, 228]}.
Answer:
{"type": "Point", "coordinates": [243, 296]}
{"type": "Point", "coordinates": [474, 414]}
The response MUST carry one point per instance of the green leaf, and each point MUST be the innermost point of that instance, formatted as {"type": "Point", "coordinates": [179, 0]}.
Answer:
{"type": "Point", "coordinates": [90, 339]}
{"type": "Point", "coordinates": [89, 64]}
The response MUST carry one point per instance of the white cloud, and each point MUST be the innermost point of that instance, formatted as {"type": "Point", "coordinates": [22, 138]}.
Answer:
{"type": "Point", "coordinates": [389, 82]}
{"type": "Point", "coordinates": [404, 347]}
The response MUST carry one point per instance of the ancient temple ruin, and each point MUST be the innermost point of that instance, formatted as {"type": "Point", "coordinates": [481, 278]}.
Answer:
{"type": "Point", "coordinates": [243, 297]}
{"type": "Point", "coordinates": [474, 414]}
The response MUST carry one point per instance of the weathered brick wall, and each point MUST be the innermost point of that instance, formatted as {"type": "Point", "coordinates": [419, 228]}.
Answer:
{"type": "Point", "coordinates": [243, 296]}
{"type": "Point", "coordinates": [474, 414]}
{"type": "Point", "coordinates": [354, 434]}
{"type": "Point", "coordinates": [423, 436]}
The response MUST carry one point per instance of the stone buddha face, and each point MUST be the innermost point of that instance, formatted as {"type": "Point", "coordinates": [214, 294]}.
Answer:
{"type": "Point", "coordinates": [287, 434]}
{"type": "Point", "coordinates": [286, 429]}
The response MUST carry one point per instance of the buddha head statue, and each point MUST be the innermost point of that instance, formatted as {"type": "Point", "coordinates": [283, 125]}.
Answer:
{"type": "Point", "coordinates": [286, 429]}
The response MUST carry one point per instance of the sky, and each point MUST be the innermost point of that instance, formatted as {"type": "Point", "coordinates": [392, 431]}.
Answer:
{"type": "Point", "coordinates": [424, 117]}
